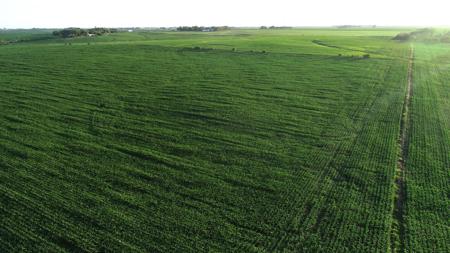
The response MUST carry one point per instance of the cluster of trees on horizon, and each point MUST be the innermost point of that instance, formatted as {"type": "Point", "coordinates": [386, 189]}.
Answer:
{"type": "Point", "coordinates": [78, 32]}
{"type": "Point", "coordinates": [275, 27]}
{"type": "Point", "coordinates": [202, 28]}
{"type": "Point", "coordinates": [424, 34]}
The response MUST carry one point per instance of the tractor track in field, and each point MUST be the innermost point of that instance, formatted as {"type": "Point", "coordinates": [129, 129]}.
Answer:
{"type": "Point", "coordinates": [398, 224]}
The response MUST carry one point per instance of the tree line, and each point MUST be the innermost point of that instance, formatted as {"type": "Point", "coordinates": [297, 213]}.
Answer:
{"type": "Point", "coordinates": [202, 28]}
{"type": "Point", "coordinates": [275, 27]}
{"type": "Point", "coordinates": [424, 34]}
{"type": "Point", "coordinates": [78, 32]}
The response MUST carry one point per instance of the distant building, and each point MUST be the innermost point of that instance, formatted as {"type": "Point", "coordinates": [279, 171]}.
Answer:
{"type": "Point", "coordinates": [130, 31]}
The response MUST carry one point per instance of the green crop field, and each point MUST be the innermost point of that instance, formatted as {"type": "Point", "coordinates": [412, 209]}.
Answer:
{"type": "Point", "coordinates": [290, 140]}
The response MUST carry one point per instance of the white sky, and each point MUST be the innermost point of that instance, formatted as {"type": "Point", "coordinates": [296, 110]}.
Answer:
{"type": "Point", "coordinates": [150, 13]}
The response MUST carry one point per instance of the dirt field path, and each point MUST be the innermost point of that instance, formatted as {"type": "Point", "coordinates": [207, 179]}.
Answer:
{"type": "Point", "coordinates": [398, 226]}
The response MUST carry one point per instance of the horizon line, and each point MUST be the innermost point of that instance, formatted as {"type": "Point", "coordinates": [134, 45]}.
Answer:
{"type": "Point", "coordinates": [243, 26]}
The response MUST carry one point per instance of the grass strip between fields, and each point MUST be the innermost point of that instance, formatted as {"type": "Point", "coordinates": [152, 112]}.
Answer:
{"type": "Point", "coordinates": [398, 223]}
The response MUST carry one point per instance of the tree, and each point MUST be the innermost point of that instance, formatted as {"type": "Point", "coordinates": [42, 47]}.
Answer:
{"type": "Point", "coordinates": [402, 36]}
